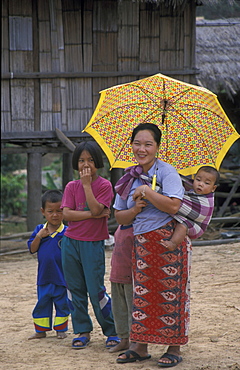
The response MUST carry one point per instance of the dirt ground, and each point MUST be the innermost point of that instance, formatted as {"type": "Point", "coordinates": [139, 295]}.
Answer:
{"type": "Point", "coordinates": [215, 319]}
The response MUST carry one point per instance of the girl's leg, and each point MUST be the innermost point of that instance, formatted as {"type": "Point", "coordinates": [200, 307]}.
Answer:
{"type": "Point", "coordinates": [75, 278]}
{"type": "Point", "coordinates": [93, 260]}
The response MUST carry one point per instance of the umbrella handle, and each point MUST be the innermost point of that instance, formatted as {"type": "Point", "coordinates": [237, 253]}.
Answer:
{"type": "Point", "coordinates": [154, 181]}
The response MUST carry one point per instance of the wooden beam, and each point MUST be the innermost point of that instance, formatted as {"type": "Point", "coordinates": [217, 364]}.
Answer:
{"type": "Point", "coordinates": [27, 135]}
{"type": "Point", "coordinates": [34, 149]}
{"type": "Point", "coordinates": [64, 139]}
{"type": "Point", "coordinates": [41, 75]}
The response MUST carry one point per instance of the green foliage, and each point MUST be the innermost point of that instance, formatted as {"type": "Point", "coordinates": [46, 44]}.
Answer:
{"type": "Point", "coordinates": [12, 162]}
{"type": "Point", "coordinates": [219, 9]}
{"type": "Point", "coordinates": [55, 166]}
{"type": "Point", "coordinates": [52, 174]}
{"type": "Point", "coordinates": [13, 228]}
{"type": "Point", "coordinates": [13, 198]}
{"type": "Point", "coordinates": [50, 183]}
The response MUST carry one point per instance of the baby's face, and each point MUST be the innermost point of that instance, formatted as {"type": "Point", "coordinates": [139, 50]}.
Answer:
{"type": "Point", "coordinates": [204, 182]}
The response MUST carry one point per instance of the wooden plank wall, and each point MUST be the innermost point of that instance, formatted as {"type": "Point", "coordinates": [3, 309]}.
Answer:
{"type": "Point", "coordinates": [71, 36]}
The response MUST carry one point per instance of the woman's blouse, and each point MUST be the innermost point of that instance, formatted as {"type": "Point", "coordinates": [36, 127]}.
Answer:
{"type": "Point", "coordinates": [152, 218]}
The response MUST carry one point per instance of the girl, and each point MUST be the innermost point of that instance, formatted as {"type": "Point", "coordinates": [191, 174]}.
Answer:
{"type": "Point", "coordinates": [86, 204]}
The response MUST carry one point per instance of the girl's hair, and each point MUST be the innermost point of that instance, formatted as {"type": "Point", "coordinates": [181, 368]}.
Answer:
{"type": "Point", "coordinates": [51, 196]}
{"type": "Point", "coordinates": [93, 149]}
{"type": "Point", "coordinates": [150, 127]}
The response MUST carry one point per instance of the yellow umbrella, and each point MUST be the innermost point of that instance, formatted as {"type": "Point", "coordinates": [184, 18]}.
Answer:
{"type": "Point", "coordinates": [195, 129]}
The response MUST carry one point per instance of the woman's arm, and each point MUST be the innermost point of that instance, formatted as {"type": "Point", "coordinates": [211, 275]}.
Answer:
{"type": "Point", "coordinates": [126, 216]}
{"type": "Point", "coordinates": [160, 201]}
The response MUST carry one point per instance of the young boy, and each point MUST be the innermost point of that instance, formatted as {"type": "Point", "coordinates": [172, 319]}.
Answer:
{"type": "Point", "coordinates": [122, 285]}
{"type": "Point", "coordinates": [196, 209]}
{"type": "Point", "coordinates": [51, 285]}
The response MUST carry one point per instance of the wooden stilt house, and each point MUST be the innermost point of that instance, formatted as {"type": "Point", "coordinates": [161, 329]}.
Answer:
{"type": "Point", "coordinates": [58, 54]}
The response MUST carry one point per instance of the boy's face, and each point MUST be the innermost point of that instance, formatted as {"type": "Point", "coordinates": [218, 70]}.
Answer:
{"type": "Point", "coordinates": [204, 182]}
{"type": "Point", "coordinates": [53, 213]}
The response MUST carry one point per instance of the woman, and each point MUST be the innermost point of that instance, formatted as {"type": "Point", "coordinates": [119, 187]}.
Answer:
{"type": "Point", "coordinates": [161, 287]}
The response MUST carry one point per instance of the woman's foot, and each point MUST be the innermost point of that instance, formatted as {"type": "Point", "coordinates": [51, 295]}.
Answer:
{"type": "Point", "coordinates": [38, 335]}
{"type": "Point", "coordinates": [139, 348]}
{"type": "Point", "coordinates": [171, 361]}
{"type": "Point", "coordinates": [61, 334]}
{"type": "Point", "coordinates": [124, 344]}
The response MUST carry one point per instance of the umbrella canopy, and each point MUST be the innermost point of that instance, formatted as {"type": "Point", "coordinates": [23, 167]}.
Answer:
{"type": "Point", "coordinates": [195, 129]}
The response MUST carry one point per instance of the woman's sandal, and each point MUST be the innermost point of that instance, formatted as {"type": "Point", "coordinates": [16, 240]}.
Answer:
{"type": "Point", "coordinates": [135, 357]}
{"type": "Point", "coordinates": [173, 358]}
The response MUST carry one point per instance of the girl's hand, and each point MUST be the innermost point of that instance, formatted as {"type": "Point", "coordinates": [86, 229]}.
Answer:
{"type": "Point", "coordinates": [85, 176]}
{"type": "Point", "coordinates": [105, 213]}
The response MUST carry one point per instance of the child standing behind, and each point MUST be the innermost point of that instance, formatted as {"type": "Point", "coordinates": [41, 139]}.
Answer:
{"type": "Point", "coordinates": [86, 204]}
{"type": "Point", "coordinates": [121, 284]}
{"type": "Point", "coordinates": [51, 286]}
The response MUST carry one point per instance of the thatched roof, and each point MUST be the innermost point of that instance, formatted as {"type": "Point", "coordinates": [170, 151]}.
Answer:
{"type": "Point", "coordinates": [217, 54]}
{"type": "Point", "coordinates": [176, 3]}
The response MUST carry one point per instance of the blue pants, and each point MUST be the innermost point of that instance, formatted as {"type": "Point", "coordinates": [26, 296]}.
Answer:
{"type": "Point", "coordinates": [48, 295]}
{"type": "Point", "coordinates": [84, 270]}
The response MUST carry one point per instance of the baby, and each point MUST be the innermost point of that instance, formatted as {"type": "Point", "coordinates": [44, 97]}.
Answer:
{"type": "Point", "coordinates": [196, 209]}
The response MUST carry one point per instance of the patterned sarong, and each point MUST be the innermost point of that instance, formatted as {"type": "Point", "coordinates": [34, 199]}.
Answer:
{"type": "Point", "coordinates": [161, 289]}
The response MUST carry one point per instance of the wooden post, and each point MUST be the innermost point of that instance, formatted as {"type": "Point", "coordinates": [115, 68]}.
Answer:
{"type": "Point", "coordinates": [230, 195]}
{"type": "Point", "coordinates": [67, 170]}
{"type": "Point", "coordinates": [115, 175]}
{"type": "Point", "coordinates": [34, 190]}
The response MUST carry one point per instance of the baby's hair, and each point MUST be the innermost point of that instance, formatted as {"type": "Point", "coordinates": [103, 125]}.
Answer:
{"type": "Point", "coordinates": [93, 149]}
{"type": "Point", "coordinates": [51, 196]}
{"type": "Point", "coordinates": [211, 170]}
{"type": "Point", "coordinates": [148, 126]}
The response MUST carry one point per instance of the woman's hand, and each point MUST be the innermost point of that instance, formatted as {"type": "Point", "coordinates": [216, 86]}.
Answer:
{"type": "Point", "coordinates": [140, 192]}
{"type": "Point", "coordinates": [127, 216]}
{"type": "Point", "coordinates": [139, 204]}
{"type": "Point", "coordinates": [160, 201]}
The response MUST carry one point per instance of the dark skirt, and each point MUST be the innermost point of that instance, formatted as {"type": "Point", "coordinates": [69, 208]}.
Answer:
{"type": "Point", "coordinates": [161, 289]}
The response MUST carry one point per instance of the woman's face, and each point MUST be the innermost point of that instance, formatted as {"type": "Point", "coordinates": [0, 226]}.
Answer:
{"type": "Point", "coordinates": [144, 149]}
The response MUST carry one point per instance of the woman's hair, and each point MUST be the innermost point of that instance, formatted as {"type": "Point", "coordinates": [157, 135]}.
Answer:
{"type": "Point", "coordinates": [51, 196]}
{"type": "Point", "coordinates": [150, 127]}
{"type": "Point", "coordinates": [93, 149]}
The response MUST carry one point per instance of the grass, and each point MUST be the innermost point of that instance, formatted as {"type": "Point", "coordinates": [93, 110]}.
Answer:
{"type": "Point", "coordinates": [8, 228]}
